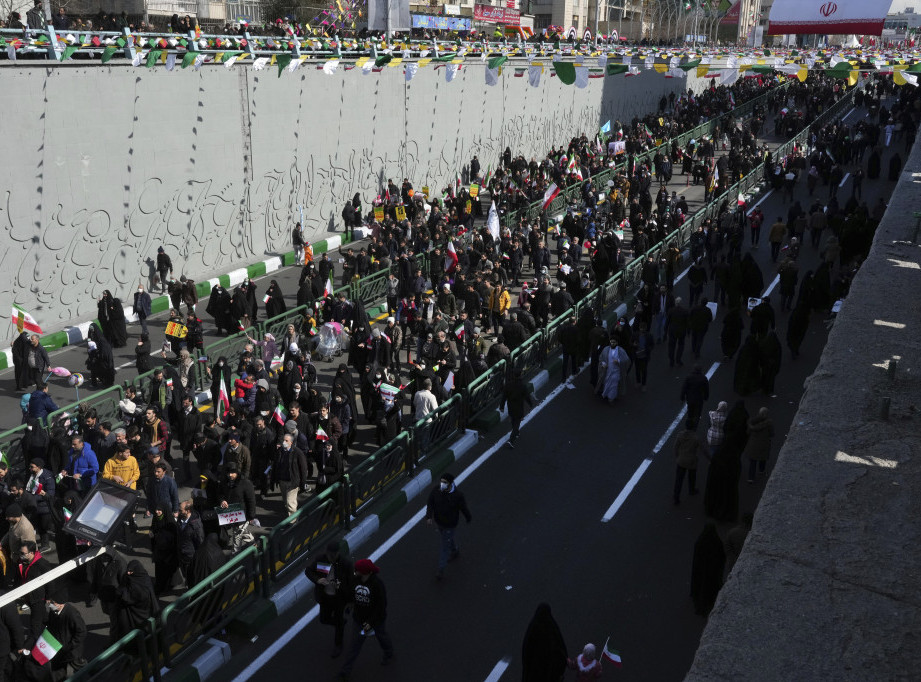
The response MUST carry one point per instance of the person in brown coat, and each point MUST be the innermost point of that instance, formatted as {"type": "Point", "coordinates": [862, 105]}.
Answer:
{"type": "Point", "coordinates": [688, 448]}
{"type": "Point", "coordinates": [758, 448]}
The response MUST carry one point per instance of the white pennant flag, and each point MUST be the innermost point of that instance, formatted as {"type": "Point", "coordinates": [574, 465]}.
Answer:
{"type": "Point", "coordinates": [910, 79]}
{"type": "Point", "coordinates": [492, 222]}
{"type": "Point", "coordinates": [295, 63]}
{"type": "Point", "coordinates": [367, 67]}
{"type": "Point", "coordinates": [11, 53]}
{"type": "Point", "coordinates": [410, 70]}
{"type": "Point", "coordinates": [330, 67]}
{"type": "Point", "coordinates": [650, 60]}
{"type": "Point", "coordinates": [230, 62]}
{"type": "Point", "coordinates": [492, 76]}
{"type": "Point", "coordinates": [603, 61]}
{"type": "Point", "coordinates": [451, 71]}
{"type": "Point", "coordinates": [139, 57]}
{"type": "Point", "coordinates": [199, 60]}
{"type": "Point", "coordinates": [260, 63]}
{"type": "Point", "coordinates": [170, 61]}
{"type": "Point", "coordinates": [729, 76]}
{"type": "Point", "coordinates": [581, 76]}
{"type": "Point", "coordinates": [534, 72]}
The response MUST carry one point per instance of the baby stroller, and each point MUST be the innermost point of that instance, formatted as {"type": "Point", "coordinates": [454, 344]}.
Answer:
{"type": "Point", "coordinates": [333, 339]}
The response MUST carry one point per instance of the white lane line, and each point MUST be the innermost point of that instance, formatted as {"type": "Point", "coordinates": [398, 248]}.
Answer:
{"type": "Point", "coordinates": [631, 484]}
{"type": "Point", "coordinates": [644, 465]}
{"type": "Point", "coordinates": [496, 673]}
{"type": "Point", "coordinates": [767, 292]}
{"type": "Point", "coordinates": [127, 364]}
{"type": "Point", "coordinates": [844, 179]}
{"type": "Point", "coordinates": [844, 118]}
{"type": "Point", "coordinates": [671, 429]}
{"type": "Point", "coordinates": [769, 193]}
{"type": "Point", "coordinates": [388, 544]}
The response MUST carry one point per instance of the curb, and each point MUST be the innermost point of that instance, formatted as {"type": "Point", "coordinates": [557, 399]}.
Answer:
{"type": "Point", "coordinates": [216, 653]}
{"type": "Point", "coordinates": [73, 335]}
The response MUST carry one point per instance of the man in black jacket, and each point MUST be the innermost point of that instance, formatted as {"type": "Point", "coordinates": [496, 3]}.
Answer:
{"type": "Point", "coordinates": [290, 472]}
{"type": "Point", "coordinates": [235, 489]}
{"type": "Point", "coordinates": [370, 614]}
{"type": "Point", "coordinates": [676, 327]}
{"type": "Point", "coordinates": [445, 505]}
{"type": "Point", "coordinates": [331, 574]}
{"type": "Point", "coordinates": [31, 566]}
{"type": "Point", "coordinates": [694, 392]}
{"type": "Point", "coordinates": [191, 535]}
{"type": "Point", "coordinates": [67, 626]}
{"type": "Point", "coordinates": [516, 394]}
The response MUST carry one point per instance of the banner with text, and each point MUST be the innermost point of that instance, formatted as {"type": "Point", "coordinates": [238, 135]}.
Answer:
{"type": "Point", "coordinates": [497, 15]}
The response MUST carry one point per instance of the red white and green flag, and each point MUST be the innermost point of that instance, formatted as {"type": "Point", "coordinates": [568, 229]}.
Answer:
{"type": "Point", "coordinates": [280, 415]}
{"type": "Point", "coordinates": [550, 195]}
{"type": "Point", "coordinates": [45, 648]}
{"type": "Point", "coordinates": [223, 396]}
{"type": "Point", "coordinates": [488, 177]}
{"type": "Point", "coordinates": [612, 655]}
{"type": "Point", "coordinates": [459, 332]}
{"type": "Point", "coordinates": [328, 289]}
{"type": "Point", "coordinates": [321, 434]}
{"type": "Point", "coordinates": [24, 320]}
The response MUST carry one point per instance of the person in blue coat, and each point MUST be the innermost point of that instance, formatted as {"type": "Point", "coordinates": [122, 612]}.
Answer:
{"type": "Point", "coordinates": [40, 403]}
{"type": "Point", "coordinates": [82, 465]}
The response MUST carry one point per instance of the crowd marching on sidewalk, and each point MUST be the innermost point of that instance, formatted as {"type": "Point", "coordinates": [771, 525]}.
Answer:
{"type": "Point", "coordinates": [275, 425]}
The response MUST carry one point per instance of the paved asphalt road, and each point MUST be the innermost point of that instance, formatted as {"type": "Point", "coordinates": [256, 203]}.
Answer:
{"type": "Point", "coordinates": [537, 534]}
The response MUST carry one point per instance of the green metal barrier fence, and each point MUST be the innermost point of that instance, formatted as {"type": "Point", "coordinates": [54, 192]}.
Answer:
{"type": "Point", "coordinates": [230, 347]}
{"type": "Point", "coordinates": [484, 392]}
{"type": "Point", "coordinates": [105, 403]}
{"type": "Point", "coordinates": [278, 325]}
{"type": "Point", "coordinates": [134, 657]}
{"type": "Point", "coordinates": [209, 606]}
{"type": "Point", "coordinates": [390, 463]}
{"type": "Point", "coordinates": [439, 427]}
{"type": "Point", "coordinates": [11, 447]}
{"type": "Point", "coordinates": [310, 526]}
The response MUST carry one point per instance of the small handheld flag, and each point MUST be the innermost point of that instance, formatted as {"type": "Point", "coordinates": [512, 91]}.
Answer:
{"type": "Point", "coordinates": [45, 648]}
{"type": "Point", "coordinates": [612, 654]}
{"type": "Point", "coordinates": [24, 320]}
{"type": "Point", "coordinates": [321, 434]}
{"type": "Point", "coordinates": [280, 415]}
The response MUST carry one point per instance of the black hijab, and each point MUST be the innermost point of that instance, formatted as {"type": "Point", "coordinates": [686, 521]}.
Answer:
{"type": "Point", "coordinates": [543, 652]}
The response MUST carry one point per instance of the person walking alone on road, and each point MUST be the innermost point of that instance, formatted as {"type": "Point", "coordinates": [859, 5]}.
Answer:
{"type": "Point", "coordinates": [694, 392]}
{"type": "Point", "coordinates": [370, 614]}
{"type": "Point", "coordinates": [688, 449]}
{"type": "Point", "coordinates": [445, 505]}
{"type": "Point", "coordinates": [515, 394]}
{"type": "Point", "coordinates": [164, 267]}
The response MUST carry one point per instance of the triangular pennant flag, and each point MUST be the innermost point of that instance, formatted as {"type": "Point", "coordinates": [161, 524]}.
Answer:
{"type": "Point", "coordinates": [282, 62]}
{"type": "Point", "coordinates": [614, 69]}
{"type": "Point", "coordinates": [188, 59]}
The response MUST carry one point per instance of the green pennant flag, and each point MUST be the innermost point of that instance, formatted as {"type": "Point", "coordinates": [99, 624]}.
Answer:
{"type": "Point", "coordinates": [68, 52]}
{"type": "Point", "coordinates": [687, 66]}
{"type": "Point", "coordinates": [189, 58]}
{"type": "Point", "coordinates": [228, 55]}
{"type": "Point", "coordinates": [841, 70]}
{"type": "Point", "coordinates": [496, 62]}
{"type": "Point", "coordinates": [614, 69]}
{"type": "Point", "coordinates": [762, 69]}
{"type": "Point", "coordinates": [120, 42]}
{"type": "Point", "coordinates": [183, 42]}
{"type": "Point", "coordinates": [566, 72]}
{"type": "Point", "coordinates": [914, 68]}
{"type": "Point", "coordinates": [383, 59]}
{"type": "Point", "coordinates": [282, 61]}
{"type": "Point", "coordinates": [108, 53]}
{"type": "Point", "coordinates": [152, 58]}
{"type": "Point", "coordinates": [444, 57]}
{"type": "Point", "coordinates": [767, 52]}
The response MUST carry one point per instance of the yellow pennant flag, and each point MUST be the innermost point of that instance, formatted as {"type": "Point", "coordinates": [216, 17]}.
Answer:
{"type": "Point", "coordinates": [802, 73]}
{"type": "Point", "coordinates": [361, 61]}
{"type": "Point", "coordinates": [395, 62]}
{"type": "Point", "coordinates": [424, 62]}
{"type": "Point", "coordinates": [702, 71]}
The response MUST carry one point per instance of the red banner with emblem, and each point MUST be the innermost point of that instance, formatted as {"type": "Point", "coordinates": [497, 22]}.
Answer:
{"type": "Point", "coordinates": [497, 15]}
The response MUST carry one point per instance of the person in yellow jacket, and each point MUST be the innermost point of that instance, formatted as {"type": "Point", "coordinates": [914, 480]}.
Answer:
{"type": "Point", "coordinates": [122, 467]}
{"type": "Point", "coordinates": [499, 304]}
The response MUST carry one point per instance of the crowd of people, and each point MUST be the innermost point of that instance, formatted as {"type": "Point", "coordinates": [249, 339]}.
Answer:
{"type": "Point", "coordinates": [273, 428]}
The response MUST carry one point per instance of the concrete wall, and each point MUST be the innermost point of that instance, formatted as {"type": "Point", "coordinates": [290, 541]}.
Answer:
{"type": "Point", "coordinates": [106, 163]}
{"type": "Point", "coordinates": [826, 587]}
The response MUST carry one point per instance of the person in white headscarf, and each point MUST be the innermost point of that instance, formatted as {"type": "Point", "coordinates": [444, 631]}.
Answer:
{"type": "Point", "coordinates": [586, 665]}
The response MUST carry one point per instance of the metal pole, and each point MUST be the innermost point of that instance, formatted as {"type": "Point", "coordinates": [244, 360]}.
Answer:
{"type": "Point", "coordinates": [388, 22]}
{"type": "Point", "coordinates": [597, 13]}
{"type": "Point", "coordinates": [56, 572]}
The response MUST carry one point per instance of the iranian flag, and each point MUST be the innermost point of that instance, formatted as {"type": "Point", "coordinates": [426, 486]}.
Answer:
{"type": "Point", "coordinates": [388, 391]}
{"type": "Point", "coordinates": [223, 396]}
{"type": "Point", "coordinates": [321, 434]}
{"type": "Point", "coordinates": [328, 289]}
{"type": "Point", "coordinates": [280, 415]}
{"type": "Point", "coordinates": [612, 654]}
{"type": "Point", "coordinates": [459, 332]}
{"type": "Point", "coordinates": [450, 258]}
{"type": "Point", "coordinates": [24, 320]}
{"type": "Point", "coordinates": [45, 648]}
{"type": "Point", "coordinates": [550, 195]}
